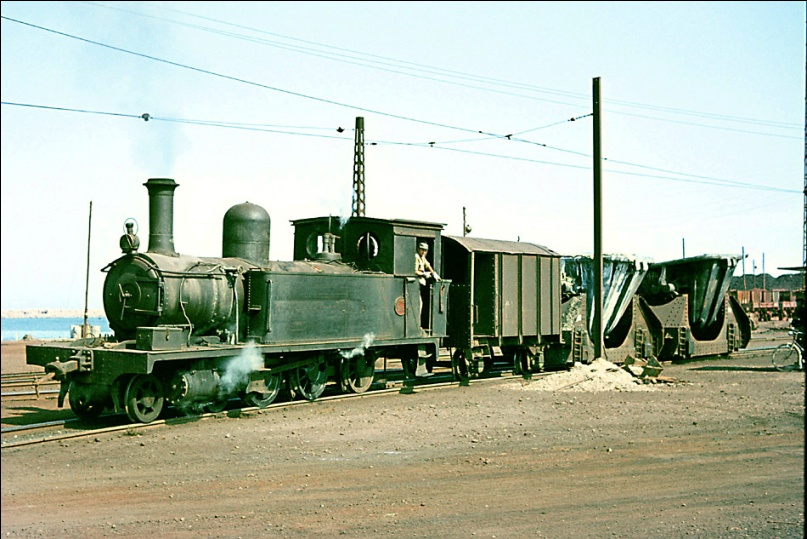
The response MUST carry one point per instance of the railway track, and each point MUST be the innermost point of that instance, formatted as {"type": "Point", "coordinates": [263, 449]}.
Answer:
{"type": "Point", "coordinates": [26, 384]}
{"type": "Point", "coordinates": [73, 428]}
{"type": "Point", "coordinates": [390, 381]}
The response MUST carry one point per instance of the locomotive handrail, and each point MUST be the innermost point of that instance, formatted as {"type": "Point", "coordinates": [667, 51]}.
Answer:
{"type": "Point", "coordinates": [184, 313]}
{"type": "Point", "coordinates": [174, 273]}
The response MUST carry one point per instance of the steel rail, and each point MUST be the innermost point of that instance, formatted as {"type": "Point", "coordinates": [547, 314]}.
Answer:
{"type": "Point", "coordinates": [405, 386]}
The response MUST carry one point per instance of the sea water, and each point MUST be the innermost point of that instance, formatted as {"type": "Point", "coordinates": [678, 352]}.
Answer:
{"type": "Point", "coordinates": [48, 328]}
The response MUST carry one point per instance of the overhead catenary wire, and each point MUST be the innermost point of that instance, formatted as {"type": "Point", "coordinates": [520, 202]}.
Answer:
{"type": "Point", "coordinates": [442, 71]}
{"type": "Point", "coordinates": [356, 107]}
{"type": "Point", "coordinates": [692, 178]}
{"type": "Point", "coordinates": [447, 72]}
{"type": "Point", "coordinates": [241, 80]}
{"type": "Point", "coordinates": [264, 127]}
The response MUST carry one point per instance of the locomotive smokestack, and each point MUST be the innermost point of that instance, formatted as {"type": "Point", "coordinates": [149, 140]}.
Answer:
{"type": "Point", "coordinates": [161, 215]}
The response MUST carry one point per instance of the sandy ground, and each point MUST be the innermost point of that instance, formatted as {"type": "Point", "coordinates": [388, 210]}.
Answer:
{"type": "Point", "coordinates": [720, 454]}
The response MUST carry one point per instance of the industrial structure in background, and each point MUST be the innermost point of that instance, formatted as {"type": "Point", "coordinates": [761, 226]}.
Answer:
{"type": "Point", "coordinates": [765, 297]}
{"type": "Point", "coordinates": [765, 305]}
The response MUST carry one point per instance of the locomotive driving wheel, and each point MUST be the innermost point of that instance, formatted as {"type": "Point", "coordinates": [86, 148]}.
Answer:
{"type": "Point", "coordinates": [144, 398]}
{"type": "Point", "coordinates": [84, 403]}
{"type": "Point", "coordinates": [357, 373]}
{"type": "Point", "coordinates": [409, 362]}
{"type": "Point", "coordinates": [216, 406]}
{"type": "Point", "coordinates": [309, 381]}
{"type": "Point", "coordinates": [262, 399]}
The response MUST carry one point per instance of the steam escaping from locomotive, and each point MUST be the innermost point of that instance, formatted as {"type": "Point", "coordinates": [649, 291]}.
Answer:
{"type": "Point", "coordinates": [367, 342]}
{"type": "Point", "coordinates": [236, 371]}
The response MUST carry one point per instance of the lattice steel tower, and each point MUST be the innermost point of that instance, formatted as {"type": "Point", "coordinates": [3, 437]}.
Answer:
{"type": "Point", "coordinates": [358, 169]}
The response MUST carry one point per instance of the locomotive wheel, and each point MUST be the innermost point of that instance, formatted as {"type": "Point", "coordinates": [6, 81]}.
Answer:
{"type": "Point", "coordinates": [459, 365]}
{"type": "Point", "coordinates": [83, 402]}
{"type": "Point", "coordinates": [358, 373]}
{"type": "Point", "coordinates": [409, 362]}
{"type": "Point", "coordinates": [430, 364]}
{"type": "Point", "coordinates": [144, 398]}
{"type": "Point", "coordinates": [261, 400]}
{"type": "Point", "coordinates": [309, 382]}
{"type": "Point", "coordinates": [216, 406]}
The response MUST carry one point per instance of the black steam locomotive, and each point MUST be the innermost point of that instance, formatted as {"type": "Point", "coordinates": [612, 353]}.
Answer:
{"type": "Point", "coordinates": [195, 332]}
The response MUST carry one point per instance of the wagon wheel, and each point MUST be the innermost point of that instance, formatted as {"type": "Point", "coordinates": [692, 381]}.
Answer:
{"type": "Point", "coordinates": [518, 367]}
{"type": "Point", "coordinates": [144, 398]}
{"type": "Point", "coordinates": [459, 365]}
{"type": "Point", "coordinates": [522, 362]}
{"type": "Point", "coordinates": [485, 366]}
{"type": "Point", "coordinates": [263, 399]}
{"type": "Point", "coordinates": [477, 366]}
{"type": "Point", "coordinates": [83, 402]}
{"type": "Point", "coordinates": [309, 381]}
{"type": "Point", "coordinates": [357, 373]}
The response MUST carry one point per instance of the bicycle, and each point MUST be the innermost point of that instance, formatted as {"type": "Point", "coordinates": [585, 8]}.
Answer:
{"type": "Point", "coordinates": [789, 356]}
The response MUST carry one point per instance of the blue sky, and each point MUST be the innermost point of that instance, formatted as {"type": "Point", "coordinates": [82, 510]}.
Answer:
{"type": "Point", "coordinates": [703, 107]}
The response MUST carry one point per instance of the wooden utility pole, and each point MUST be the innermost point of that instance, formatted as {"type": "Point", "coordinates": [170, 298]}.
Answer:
{"type": "Point", "coordinates": [85, 329]}
{"type": "Point", "coordinates": [599, 342]}
{"type": "Point", "coordinates": [745, 287]}
{"type": "Point", "coordinates": [358, 169]}
{"type": "Point", "coordinates": [764, 277]}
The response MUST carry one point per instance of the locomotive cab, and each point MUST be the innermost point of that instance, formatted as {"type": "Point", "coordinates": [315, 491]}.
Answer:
{"type": "Point", "coordinates": [378, 245]}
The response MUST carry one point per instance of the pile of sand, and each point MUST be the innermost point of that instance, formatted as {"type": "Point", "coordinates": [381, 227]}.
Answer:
{"type": "Point", "coordinates": [599, 375]}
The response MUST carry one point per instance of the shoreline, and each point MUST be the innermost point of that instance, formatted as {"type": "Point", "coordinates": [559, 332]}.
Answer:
{"type": "Point", "coordinates": [52, 313]}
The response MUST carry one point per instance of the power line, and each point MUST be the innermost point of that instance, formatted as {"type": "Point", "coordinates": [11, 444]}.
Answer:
{"type": "Point", "coordinates": [64, 109]}
{"type": "Point", "coordinates": [707, 126]}
{"type": "Point", "coordinates": [263, 127]}
{"type": "Point", "coordinates": [230, 125]}
{"type": "Point", "coordinates": [445, 72]}
{"type": "Point", "coordinates": [244, 81]}
{"type": "Point", "coordinates": [693, 178]}
{"type": "Point", "coordinates": [668, 109]}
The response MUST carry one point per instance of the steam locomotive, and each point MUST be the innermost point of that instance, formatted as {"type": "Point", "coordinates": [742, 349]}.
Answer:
{"type": "Point", "coordinates": [194, 332]}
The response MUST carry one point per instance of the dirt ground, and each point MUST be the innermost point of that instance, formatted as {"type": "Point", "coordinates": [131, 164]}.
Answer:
{"type": "Point", "coordinates": [719, 454]}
